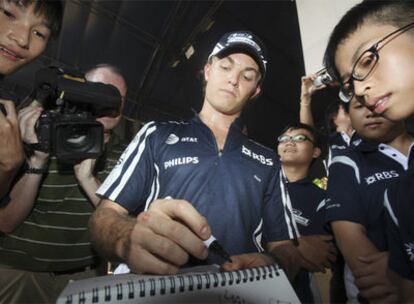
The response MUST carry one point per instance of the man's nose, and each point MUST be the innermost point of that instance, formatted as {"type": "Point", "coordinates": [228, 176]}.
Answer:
{"type": "Point", "coordinates": [234, 79]}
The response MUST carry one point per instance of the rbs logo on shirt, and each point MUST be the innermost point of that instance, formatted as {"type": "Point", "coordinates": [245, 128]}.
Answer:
{"type": "Point", "coordinates": [260, 158]}
{"type": "Point", "coordinates": [381, 176]}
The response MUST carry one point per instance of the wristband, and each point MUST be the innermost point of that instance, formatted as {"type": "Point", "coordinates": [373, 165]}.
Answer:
{"type": "Point", "coordinates": [38, 171]}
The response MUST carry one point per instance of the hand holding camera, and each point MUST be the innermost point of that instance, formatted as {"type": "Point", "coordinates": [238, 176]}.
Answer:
{"type": "Point", "coordinates": [313, 83]}
{"type": "Point", "coordinates": [322, 79]}
{"type": "Point", "coordinates": [28, 118]}
{"type": "Point", "coordinates": [84, 170]}
{"type": "Point", "coordinates": [67, 126]}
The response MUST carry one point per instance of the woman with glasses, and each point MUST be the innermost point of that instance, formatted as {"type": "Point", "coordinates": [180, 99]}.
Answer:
{"type": "Point", "coordinates": [371, 54]}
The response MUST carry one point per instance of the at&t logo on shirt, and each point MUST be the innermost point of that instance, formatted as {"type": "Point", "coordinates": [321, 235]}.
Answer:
{"type": "Point", "coordinates": [173, 139]}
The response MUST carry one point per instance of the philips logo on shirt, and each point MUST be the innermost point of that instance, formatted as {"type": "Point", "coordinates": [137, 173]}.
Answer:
{"type": "Point", "coordinates": [258, 157]}
{"type": "Point", "coordinates": [380, 176]}
{"type": "Point", "coordinates": [180, 161]}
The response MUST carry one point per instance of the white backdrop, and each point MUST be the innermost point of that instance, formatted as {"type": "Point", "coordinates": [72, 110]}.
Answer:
{"type": "Point", "coordinates": [317, 18]}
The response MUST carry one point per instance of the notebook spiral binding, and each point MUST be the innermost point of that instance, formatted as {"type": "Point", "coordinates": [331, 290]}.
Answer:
{"type": "Point", "coordinates": [164, 285]}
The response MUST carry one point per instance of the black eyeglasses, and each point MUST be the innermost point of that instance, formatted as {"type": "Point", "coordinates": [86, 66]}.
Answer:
{"type": "Point", "coordinates": [295, 138]}
{"type": "Point", "coordinates": [364, 65]}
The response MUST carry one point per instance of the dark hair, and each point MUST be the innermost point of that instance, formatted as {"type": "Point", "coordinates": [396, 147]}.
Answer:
{"type": "Point", "coordinates": [52, 10]}
{"type": "Point", "coordinates": [310, 129]}
{"type": "Point", "coordinates": [330, 114]}
{"type": "Point", "coordinates": [395, 13]}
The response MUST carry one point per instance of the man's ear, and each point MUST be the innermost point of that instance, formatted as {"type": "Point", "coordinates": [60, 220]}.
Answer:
{"type": "Point", "coordinates": [316, 152]}
{"type": "Point", "coordinates": [207, 67]}
{"type": "Point", "coordinates": [256, 92]}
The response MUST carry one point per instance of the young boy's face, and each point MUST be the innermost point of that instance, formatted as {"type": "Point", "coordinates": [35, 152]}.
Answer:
{"type": "Point", "coordinates": [371, 126]}
{"type": "Point", "coordinates": [23, 36]}
{"type": "Point", "coordinates": [389, 89]}
{"type": "Point", "coordinates": [297, 152]}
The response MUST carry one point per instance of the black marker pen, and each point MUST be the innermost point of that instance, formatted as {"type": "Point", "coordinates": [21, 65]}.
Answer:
{"type": "Point", "coordinates": [213, 245]}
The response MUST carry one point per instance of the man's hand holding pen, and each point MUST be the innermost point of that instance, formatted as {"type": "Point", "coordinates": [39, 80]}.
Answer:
{"type": "Point", "coordinates": [165, 235]}
{"type": "Point", "coordinates": [162, 238]}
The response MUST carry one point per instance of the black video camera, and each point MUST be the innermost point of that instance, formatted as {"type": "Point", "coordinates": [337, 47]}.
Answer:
{"type": "Point", "coordinates": [67, 128]}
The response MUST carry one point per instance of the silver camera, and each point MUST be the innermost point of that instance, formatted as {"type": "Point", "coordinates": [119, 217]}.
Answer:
{"type": "Point", "coordinates": [323, 78]}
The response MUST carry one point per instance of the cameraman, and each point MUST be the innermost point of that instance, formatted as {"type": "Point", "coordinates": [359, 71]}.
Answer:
{"type": "Point", "coordinates": [25, 29]}
{"type": "Point", "coordinates": [48, 241]}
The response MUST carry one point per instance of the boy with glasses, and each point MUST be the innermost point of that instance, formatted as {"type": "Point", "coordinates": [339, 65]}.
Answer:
{"type": "Point", "coordinates": [357, 180]}
{"type": "Point", "coordinates": [370, 52]}
{"type": "Point", "coordinates": [297, 148]}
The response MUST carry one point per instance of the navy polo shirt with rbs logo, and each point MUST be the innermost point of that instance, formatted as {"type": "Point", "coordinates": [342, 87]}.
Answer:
{"type": "Point", "coordinates": [339, 142]}
{"type": "Point", "coordinates": [236, 189]}
{"type": "Point", "coordinates": [308, 207]}
{"type": "Point", "coordinates": [399, 203]}
{"type": "Point", "coordinates": [356, 185]}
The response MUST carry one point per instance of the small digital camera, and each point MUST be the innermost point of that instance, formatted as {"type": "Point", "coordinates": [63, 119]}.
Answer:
{"type": "Point", "coordinates": [323, 78]}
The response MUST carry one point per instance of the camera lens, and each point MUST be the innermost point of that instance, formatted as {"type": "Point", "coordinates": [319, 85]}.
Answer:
{"type": "Point", "coordinates": [322, 79]}
{"type": "Point", "coordinates": [77, 138]}
{"type": "Point", "coordinates": [318, 81]}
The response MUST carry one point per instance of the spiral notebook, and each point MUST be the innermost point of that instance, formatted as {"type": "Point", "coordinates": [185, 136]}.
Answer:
{"type": "Point", "coordinates": [266, 284]}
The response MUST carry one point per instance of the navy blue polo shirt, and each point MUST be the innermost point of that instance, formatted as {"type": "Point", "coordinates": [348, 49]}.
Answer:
{"type": "Point", "coordinates": [339, 142]}
{"type": "Point", "coordinates": [236, 189]}
{"type": "Point", "coordinates": [308, 207]}
{"type": "Point", "coordinates": [399, 203]}
{"type": "Point", "coordinates": [357, 180]}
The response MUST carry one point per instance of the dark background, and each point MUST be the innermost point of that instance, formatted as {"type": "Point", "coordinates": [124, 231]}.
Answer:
{"type": "Point", "coordinates": [147, 40]}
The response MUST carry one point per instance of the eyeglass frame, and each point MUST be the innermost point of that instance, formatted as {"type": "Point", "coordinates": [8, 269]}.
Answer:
{"type": "Point", "coordinates": [291, 138]}
{"type": "Point", "coordinates": [374, 50]}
